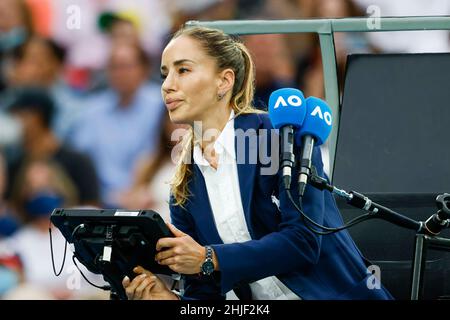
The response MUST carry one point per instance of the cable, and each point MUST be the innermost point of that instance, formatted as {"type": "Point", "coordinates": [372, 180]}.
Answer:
{"type": "Point", "coordinates": [351, 223]}
{"type": "Point", "coordinates": [53, 258]}
{"type": "Point", "coordinates": [74, 232]}
{"type": "Point", "coordinates": [329, 230]}
{"type": "Point", "coordinates": [65, 248]}
{"type": "Point", "coordinates": [300, 209]}
{"type": "Point", "coordinates": [105, 287]}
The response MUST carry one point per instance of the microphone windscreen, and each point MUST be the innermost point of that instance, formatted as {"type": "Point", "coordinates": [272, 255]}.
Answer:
{"type": "Point", "coordinates": [318, 121]}
{"type": "Point", "coordinates": [287, 107]}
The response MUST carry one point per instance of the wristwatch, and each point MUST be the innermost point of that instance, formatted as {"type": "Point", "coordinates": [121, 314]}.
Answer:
{"type": "Point", "coordinates": [207, 267]}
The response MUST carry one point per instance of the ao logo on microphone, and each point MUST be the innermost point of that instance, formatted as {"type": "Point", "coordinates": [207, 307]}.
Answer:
{"type": "Point", "coordinates": [324, 116]}
{"type": "Point", "coordinates": [293, 100]}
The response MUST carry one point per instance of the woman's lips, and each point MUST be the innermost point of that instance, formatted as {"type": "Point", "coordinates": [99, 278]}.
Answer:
{"type": "Point", "coordinates": [173, 104]}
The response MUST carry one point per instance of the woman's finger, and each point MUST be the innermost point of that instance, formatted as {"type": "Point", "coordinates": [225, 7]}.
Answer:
{"type": "Point", "coordinates": [139, 292]}
{"type": "Point", "coordinates": [175, 231]}
{"type": "Point", "coordinates": [166, 243]}
{"type": "Point", "coordinates": [168, 261]}
{"type": "Point", "coordinates": [164, 254]}
{"type": "Point", "coordinates": [148, 289]}
{"type": "Point", "coordinates": [141, 270]}
{"type": "Point", "coordinates": [126, 282]}
{"type": "Point", "coordinates": [130, 290]}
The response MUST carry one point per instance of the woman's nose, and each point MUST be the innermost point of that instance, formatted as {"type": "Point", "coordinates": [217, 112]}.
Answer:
{"type": "Point", "coordinates": [169, 84]}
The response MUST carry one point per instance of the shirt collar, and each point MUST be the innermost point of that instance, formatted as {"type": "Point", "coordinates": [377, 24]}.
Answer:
{"type": "Point", "coordinates": [223, 143]}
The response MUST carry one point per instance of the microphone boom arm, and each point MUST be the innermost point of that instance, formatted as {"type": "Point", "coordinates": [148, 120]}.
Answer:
{"type": "Point", "coordinates": [426, 232]}
{"type": "Point", "coordinates": [360, 201]}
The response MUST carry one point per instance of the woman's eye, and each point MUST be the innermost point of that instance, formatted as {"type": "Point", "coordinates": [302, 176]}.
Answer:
{"type": "Point", "coordinates": [163, 76]}
{"type": "Point", "coordinates": [183, 70]}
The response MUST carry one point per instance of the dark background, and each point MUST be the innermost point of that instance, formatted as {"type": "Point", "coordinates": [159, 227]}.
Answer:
{"type": "Point", "coordinates": [394, 146]}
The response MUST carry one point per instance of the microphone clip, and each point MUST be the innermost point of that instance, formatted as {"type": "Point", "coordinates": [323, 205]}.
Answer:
{"type": "Point", "coordinates": [441, 219]}
{"type": "Point", "coordinates": [443, 204]}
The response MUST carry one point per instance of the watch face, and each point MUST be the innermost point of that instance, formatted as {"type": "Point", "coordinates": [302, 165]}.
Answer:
{"type": "Point", "coordinates": [207, 267]}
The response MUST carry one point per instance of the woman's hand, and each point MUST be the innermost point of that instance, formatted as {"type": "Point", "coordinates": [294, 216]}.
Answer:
{"type": "Point", "coordinates": [182, 254]}
{"type": "Point", "coordinates": [147, 286]}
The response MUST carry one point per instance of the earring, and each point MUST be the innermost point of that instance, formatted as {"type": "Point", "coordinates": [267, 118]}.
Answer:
{"type": "Point", "coordinates": [220, 96]}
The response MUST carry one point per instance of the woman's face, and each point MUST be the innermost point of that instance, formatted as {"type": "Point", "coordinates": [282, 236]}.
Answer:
{"type": "Point", "coordinates": [191, 80]}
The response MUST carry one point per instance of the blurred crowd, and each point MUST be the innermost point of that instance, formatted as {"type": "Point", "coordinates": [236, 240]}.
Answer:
{"type": "Point", "coordinates": [82, 121]}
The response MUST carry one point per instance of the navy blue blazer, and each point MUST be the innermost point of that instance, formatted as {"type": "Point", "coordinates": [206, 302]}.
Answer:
{"type": "Point", "coordinates": [312, 266]}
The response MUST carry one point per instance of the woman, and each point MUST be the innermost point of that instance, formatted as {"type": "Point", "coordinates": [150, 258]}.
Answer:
{"type": "Point", "coordinates": [229, 231]}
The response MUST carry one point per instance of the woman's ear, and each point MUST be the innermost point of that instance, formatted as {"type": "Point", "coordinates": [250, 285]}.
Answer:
{"type": "Point", "coordinates": [226, 82]}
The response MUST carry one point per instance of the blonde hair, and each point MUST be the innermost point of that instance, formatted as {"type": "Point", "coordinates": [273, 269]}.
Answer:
{"type": "Point", "coordinates": [228, 53]}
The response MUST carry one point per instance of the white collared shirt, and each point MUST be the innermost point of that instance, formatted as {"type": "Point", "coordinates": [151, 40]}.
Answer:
{"type": "Point", "coordinates": [224, 195]}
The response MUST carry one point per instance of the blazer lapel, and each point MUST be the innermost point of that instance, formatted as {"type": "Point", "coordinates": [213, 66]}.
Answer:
{"type": "Point", "coordinates": [246, 159]}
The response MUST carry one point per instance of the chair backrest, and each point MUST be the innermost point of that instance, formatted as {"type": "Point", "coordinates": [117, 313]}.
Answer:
{"type": "Point", "coordinates": [394, 145]}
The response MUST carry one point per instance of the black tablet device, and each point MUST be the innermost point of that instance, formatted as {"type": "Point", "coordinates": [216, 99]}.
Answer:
{"type": "Point", "coordinates": [112, 242]}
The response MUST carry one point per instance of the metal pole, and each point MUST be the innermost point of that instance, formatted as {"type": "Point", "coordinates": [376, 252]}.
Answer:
{"type": "Point", "coordinates": [326, 28]}
{"type": "Point", "coordinates": [418, 263]}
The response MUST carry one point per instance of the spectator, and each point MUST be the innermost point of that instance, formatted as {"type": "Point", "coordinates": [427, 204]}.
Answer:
{"type": "Point", "coordinates": [39, 188]}
{"type": "Point", "coordinates": [15, 27]}
{"type": "Point", "coordinates": [120, 27]}
{"type": "Point", "coordinates": [40, 62]}
{"type": "Point", "coordinates": [310, 70]}
{"type": "Point", "coordinates": [88, 48]}
{"type": "Point", "coordinates": [121, 124]}
{"type": "Point", "coordinates": [35, 110]}
{"type": "Point", "coordinates": [274, 64]}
